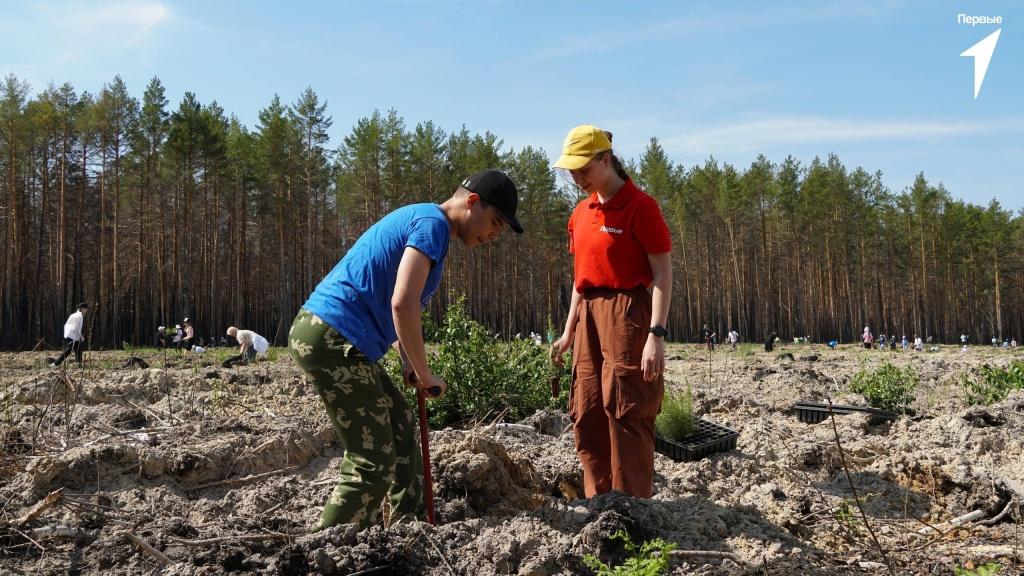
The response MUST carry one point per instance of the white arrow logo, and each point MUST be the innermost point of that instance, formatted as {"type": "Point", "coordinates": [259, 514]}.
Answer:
{"type": "Point", "coordinates": [982, 53]}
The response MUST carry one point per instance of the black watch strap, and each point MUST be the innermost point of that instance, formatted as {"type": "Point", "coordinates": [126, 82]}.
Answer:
{"type": "Point", "coordinates": [658, 330]}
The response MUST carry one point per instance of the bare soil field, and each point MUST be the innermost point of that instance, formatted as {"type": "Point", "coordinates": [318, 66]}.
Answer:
{"type": "Point", "coordinates": [197, 469]}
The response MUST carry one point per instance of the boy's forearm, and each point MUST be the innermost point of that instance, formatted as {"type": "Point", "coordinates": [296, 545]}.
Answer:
{"type": "Point", "coordinates": [409, 327]}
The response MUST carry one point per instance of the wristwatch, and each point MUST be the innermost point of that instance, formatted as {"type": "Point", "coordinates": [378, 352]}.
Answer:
{"type": "Point", "coordinates": [658, 330]}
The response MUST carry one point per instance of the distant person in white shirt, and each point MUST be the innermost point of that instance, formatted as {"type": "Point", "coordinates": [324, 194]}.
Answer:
{"type": "Point", "coordinates": [734, 337]}
{"type": "Point", "coordinates": [73, 336]}
{"type": "Point", "coordinates": [250, 345]}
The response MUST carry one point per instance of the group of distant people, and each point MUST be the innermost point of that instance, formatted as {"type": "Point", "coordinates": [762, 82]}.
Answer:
{"type": "Point", "coordinates": [891, 342]}
{"type": "Point", "coordinates": [250, 344]}
{"type": "Point", "coordinates": [181, 338]}
{"type": "Point", "coordinates": [710, 338]}
{"type": "Point", "coordinates": [1006, 343]}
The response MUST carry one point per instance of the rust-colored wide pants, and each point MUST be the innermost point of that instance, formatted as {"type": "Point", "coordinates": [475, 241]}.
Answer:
{"type": "Point", "coordinates": [611, 406]}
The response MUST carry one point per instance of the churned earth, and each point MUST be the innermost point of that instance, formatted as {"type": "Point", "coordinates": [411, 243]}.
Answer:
{"type": "Point", "coordinates": [197, 469]}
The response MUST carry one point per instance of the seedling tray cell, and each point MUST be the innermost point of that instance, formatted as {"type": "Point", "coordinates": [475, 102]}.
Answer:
{"type": "Point", "coordinates": [706, 439]}
{"type": "Point", "coordinates": [813, 412]}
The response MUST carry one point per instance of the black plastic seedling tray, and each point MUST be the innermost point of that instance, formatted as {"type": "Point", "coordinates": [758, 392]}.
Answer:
{"type": "Point", "coordinates": [706, 439]}
{"type": "Point", "coordinates": [814, 412]}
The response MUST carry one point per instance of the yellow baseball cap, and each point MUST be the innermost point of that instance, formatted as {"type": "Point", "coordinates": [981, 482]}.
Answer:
{"type": "Point", "coordinates": [583, 143]}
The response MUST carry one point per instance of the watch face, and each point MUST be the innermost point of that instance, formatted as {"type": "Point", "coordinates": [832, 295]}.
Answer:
{"type": "Point", "coordinates": [659, 331]}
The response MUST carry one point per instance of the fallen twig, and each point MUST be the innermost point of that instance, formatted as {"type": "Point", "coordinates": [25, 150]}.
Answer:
{"type": "Point", "coordinates": [856, 497]}
{"type": "Point", "coordinates": [274, 508]}
{"type": "Point", "coordinates": [56, 532]}
{"type": "Point", "coordinates": [117, 433]}
{"type": "Point", "coordinates": [156, 414]}
{"type": "Point", "coordinates": [436, 549]}
{"type": "Point", "coordinates": [373, 570]}
{"type": "Point", "coordinates": [1009, 505]}
{"type": "Point", "coordinates": [516, 427]}
{"type": "Point", "coordinates": [994, 551]}
{"type": "Point", "coordinates": [963, 519]}
{"type": "Point", "coordinates": [716, 554]}
{"type": "Point", "coordinates": [158, 555]}
{"type": "Point", "coordinates": [50, 500]}
{"type": "Point", "coordinates": [234, 481]}
{"type": "Point", "coordinates": [221, 539]}
{"type": "Point", "coordinates": [30, 539]}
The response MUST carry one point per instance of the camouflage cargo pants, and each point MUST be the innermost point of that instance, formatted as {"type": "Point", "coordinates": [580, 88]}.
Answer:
{"type": "Point", "coordinates": [374, 424]}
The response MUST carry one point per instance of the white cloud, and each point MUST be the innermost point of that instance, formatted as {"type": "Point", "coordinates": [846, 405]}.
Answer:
{"type": "Point", "coordinates": [712, 18]}
{"type": "Point", "coordinates": [127, 22]}
{"type": "Point", "coordinates": [757, 135]}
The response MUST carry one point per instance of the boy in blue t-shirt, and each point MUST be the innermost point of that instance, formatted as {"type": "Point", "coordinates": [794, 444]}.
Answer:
{"type": "Point", "coordinates": [371, 300]}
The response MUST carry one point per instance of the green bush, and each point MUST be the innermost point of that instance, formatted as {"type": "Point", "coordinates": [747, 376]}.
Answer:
{"type": "Point", "coordinates": [993, 384]}
{"type": "Point", "coordinates": [745, 349]}
{"type": "Point", "coordinates": [485, 375]}
{"type": "Point", "coordinates": [889, 387]}
{"type": "Point", "coordinates": [675, 421]}
{"type": "Point", "coordinates": [649, 559]}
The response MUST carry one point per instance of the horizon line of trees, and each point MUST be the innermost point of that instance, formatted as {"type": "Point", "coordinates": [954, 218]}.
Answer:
{"type": "Point", "coordinates": [152, 213]}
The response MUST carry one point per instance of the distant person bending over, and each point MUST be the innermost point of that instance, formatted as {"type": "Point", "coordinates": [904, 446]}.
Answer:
{"type": "Point", "coordinates": [73, 338]}
{"type": "Point", "coordinates": [188, 339]}
{"type": "Point", "coordinates": [769, 343]}
{"type": "Point", "coordinates": [734, 337]}
{"type": "Point", "coordinates": [160, 340]}
{"type": "Point", "coordinates": [867, 337]}
{"type": "Point", "coordinates": [250, 345]}
{"type": "Point", "coordinates": [709, 337]}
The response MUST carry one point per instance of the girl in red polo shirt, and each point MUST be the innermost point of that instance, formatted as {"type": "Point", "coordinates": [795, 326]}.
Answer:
{"type": "Point", "coordinates": [616, 325]}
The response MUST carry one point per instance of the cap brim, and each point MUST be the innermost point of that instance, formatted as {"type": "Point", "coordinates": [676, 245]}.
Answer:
{"type": "Point", "coordinates": [512, 222]}
{"type": "Point", "coordinates": [569, 162]}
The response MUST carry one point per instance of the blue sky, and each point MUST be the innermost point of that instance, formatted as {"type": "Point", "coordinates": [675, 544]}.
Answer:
{"type": "Point", "coordinates": [881, 84]}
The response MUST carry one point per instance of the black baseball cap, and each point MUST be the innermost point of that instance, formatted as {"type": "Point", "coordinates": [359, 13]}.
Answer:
{"type": "Point", "coordinates": [498, 190]}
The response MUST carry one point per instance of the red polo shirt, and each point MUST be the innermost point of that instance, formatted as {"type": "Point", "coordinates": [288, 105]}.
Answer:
{"type": "Point", "coordinates": [611, 241]}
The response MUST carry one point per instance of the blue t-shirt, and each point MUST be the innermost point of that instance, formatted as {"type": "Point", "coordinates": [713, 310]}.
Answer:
{"type": "Point", "coordinates": [355, 297]}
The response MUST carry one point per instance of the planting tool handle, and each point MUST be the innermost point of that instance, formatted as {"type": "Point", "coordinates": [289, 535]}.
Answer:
{"type": "Point", "coordinates": [433, 391]}
{"type": "Point", "coordinates": [428, 481]}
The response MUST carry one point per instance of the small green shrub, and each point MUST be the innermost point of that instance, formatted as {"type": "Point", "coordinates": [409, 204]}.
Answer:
{"type": "Point", "coordinates": [889, 387]}
{"type": "Point", "coordinates": [844, 515]}
{"type": "Point", "coordinates": [746, 349]}
{"type": "Point", "coordinates": [675, 421]}
{"type": "Point", "coordinates": [988, 569]}
{"type": "Point", "coordinates": [649, 559]}
{"type": "Point", "coordinates": [993, 384]}
{"type": "Point", "coordinates": [485, 375]}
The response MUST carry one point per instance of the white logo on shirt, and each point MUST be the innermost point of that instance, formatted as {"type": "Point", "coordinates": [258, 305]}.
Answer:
{"type": "Point", "coordinates": [610, 230]}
